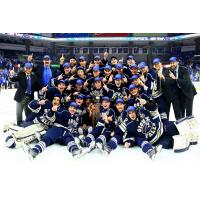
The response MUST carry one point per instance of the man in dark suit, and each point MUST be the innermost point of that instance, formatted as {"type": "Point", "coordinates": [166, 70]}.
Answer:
{"type": "Point", "coordinates": [45, 73]}
{"type": "Point", "coordinates": [171, 89]}
{"type": "Point", "coordinates": [27, 85]}
{"type": "Point", "coordinates": [178, 89]}
{"type": "Point", "coordinates": [186, 86]}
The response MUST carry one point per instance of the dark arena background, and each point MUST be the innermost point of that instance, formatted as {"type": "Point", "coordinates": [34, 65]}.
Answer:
{"type": "Point", "coordinates": [15, 47]}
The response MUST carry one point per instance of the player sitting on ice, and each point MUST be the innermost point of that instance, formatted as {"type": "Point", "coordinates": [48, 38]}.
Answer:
{"type": "Point", "coordinates": [151, 128]}
{"type": "Point", "coordinates": [105, 125]}
{"type": "Point", "coordinates": [85, 127]}
{"type": "Point", "coordinates": [63, 131]}
{"type": "Point", "coordinates": [120, 114]}
{"type": "Point", "coordinates": [127, 133]}
{"type": "Point", "coordinates": [35, 125]}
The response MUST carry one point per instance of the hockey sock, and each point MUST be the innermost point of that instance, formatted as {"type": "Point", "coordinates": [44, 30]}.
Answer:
{"type": "Point", "coordinates": [39, 147]}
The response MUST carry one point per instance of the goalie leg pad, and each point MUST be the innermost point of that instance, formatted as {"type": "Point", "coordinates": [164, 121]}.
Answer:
{"type": "Point", "coordinates": [29, 131]}
{"type": "Point", "coordinates": [181, 143]}
{"type": "Point", "coordinates": [193, 130]}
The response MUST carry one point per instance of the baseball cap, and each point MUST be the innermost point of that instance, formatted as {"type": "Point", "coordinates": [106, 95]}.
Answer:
{"type": "Point", "coordinates": [129, 58]}
{"type": "Point", "coordinates": [156, 60]}
{"type": "Point", "coordinates": [97, 79]}
{"type": "Point", "coordinates": [62, 81]}
{"type": "Point", "coordinates": [82, 58]}
{"type": "Point", "coordinates": [119, 101]}
{"type": "Point", "coordinates": [132, 86]}
{"type": "Point", "coordinates": [142, 65]}
{"type": "Point", "coordinates": [135, 76]}
{"type": "Point", "coordinates": [73, 104]}
{"type": "Point", "coordinates": [118, 76]}
{"type": "Point", "coordinates": [119, 66]}
{"type": "Point", "coordinates": [66, 64]}
{"type": "Point", "coordinates": [96, 68]}
{"type": "Point", "coordinates": [105, 98]}
{"type": "Point", "coordinates": [97, 58]}
{"type": "Point", "coordinates": [28, 65]}
{"type": "Point", "coordinates": [80, 96]}
{"type": "Point", "coordinates": [133, 66]}
{"type": "Point", "coordinates": [46, 57]}
{"type": "Point", "coordinates": [173, 59]}
{"type": "Point", "coordinates": [79, 82]}
{"type": "Point", "coordinates": [130, 108]}
{"type": "Point", "coordinates": [108, 67]}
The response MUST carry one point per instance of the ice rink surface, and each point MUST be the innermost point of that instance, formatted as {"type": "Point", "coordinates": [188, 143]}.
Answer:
{"type": "Point", "coordinates": [125, 174]}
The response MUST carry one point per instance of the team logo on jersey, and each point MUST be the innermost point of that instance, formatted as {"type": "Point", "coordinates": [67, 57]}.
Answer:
{"type": "Point", "coordinates": [147, 127]}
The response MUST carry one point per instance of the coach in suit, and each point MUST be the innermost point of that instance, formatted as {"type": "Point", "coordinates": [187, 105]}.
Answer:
{"type": "Point", "coordinates": [45, 73]}
{"type": "Point", "coordinates": [27, 85]}
{"type": "Point", "coordinates": [178, 89]}
{"type": "Point", "coordinates": [172, 90]}
{"type": "Point", "coordinates": [186, 86]}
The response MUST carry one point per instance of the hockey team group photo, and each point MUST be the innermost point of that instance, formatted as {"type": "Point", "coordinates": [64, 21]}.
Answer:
{"type": "Point", "coordinates": [96, 92]}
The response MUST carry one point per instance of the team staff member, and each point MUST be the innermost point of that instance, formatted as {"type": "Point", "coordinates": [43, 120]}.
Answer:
{"type": "Point", "coordinates": [188, 90]}
{"type": "Point", "coordinates": [27, 85]}
{"type": "Point", "coordinates": [45, 73]}
{"type": "Point", "coordinates": [171, 88]}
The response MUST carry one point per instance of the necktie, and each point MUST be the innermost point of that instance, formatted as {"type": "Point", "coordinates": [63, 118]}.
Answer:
{"type": "Point", "coordinates": [28, 85]}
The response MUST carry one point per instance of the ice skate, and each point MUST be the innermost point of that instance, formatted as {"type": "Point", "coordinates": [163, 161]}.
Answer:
{"type": "Point", "coordinates": [106, 150]}
{"type": "Point", "coordinates": [10, 142]}
{"type": "Point", "coordinates": [83, 143]}
{"type": "Point", "coordinates": [153, 152]}
{"type": "Point", "coordinates": [76, 153]}
{"type": "Point", "coordinates": [99, 146]}
{"type": "Point", "coordinates": [29, 151]}
{"type": "Point", "coordinates": [88, 149]}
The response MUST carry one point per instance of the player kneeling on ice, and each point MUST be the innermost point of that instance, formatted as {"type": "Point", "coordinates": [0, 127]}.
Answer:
{"type": "Point", "coordinates": [35, 125]}
{"type": "Point", "coordinates": [104, 127]}
{"type": "Point", "coordinates": [63, 131]}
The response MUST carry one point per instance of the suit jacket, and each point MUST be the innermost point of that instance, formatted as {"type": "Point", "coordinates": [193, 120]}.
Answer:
{"type": "Point", "coordinates": [185, 83]}
{"type": "Point", "coordinates": [22, 85]}
{"type": "Point", "coordinates": [182, 86]}
{"type": "Point", "coordinates": [171, 90]}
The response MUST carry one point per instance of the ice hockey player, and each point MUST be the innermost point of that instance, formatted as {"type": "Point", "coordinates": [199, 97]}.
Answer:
{"type": "Point", "coordinates": [35, 125]}
{"type": "Point", "coordinates": [105, 125]}
{"type": "Point", "coordinates": [63, 131]}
